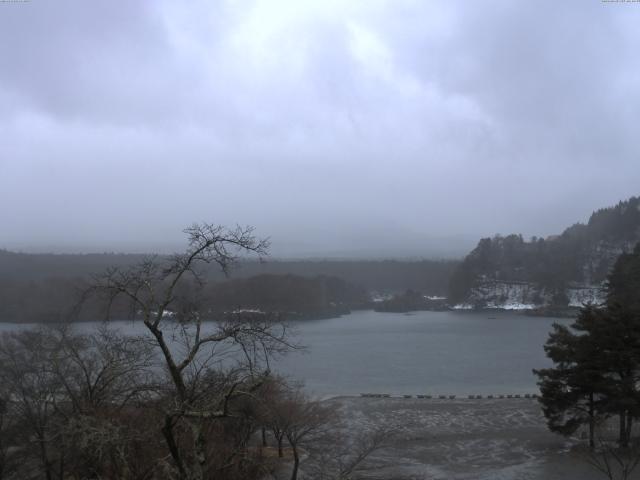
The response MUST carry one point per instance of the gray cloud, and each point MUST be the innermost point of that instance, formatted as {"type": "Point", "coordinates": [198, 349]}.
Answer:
{"type": "Point", "coordinates": [371, 127]}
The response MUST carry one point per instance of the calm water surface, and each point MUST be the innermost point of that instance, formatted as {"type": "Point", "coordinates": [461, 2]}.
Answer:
{"type": "Point", "coordinates": [423, 352]}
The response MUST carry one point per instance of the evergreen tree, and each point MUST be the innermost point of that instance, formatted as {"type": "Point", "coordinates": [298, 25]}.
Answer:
{"type": "Point", "coordinates": [620, 340]}
{"type": "Point", "coordinates": [552, 264]}
{"type": "Point", "coordinates": [596, 369]}
{"type": "Point", "coordinates": [624, 283]}
{"type": "Point", "coordinates": [571, 391]}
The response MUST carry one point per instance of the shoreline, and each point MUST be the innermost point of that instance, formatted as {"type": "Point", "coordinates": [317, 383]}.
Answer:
{"type": "Point", "coordinates": [562, 313]}
{"type": "Point", "coordinates": [432, 397]}
{"type": "Point", "coordinates": [464, 439]}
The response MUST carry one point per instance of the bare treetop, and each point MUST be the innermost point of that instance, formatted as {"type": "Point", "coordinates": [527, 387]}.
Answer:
{"type": "Point", "coordinates": [168, 296]}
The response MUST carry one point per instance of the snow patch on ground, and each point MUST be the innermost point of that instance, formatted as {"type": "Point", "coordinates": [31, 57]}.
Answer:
{"type": "Point", "coordinates": [463, 306]}
{"type": "Point", "coordinates": [434, 297]}
{"type": "Point", "coordinates": [508, 295]}
{"type": "Point", "coordinates": [578, 296]}
{"type": "Point", "coordinates": [512, 306]}
{"type": "Point", "coordinates": [378, 297]}
{"type": "Point", "coordinates": [528, 296]}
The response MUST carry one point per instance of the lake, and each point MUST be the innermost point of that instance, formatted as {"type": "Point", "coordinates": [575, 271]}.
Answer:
{"type": "Point", "coordinates": [424, 352]}
{"type": "Point", "coordinates": [433, 353]}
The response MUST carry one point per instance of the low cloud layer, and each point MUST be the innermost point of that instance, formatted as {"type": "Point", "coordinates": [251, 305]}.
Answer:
{"type": "Point", "coordinates": [337, 128]}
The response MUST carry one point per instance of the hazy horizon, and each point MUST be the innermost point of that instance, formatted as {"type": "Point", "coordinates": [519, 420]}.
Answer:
{"type": "Point", "coordinates": [361, 129]}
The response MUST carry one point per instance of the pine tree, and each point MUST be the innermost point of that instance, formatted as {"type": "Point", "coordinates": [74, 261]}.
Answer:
{"type": "Point", "coordinates": [596, 360]}
{"type": "Point", "coordinates": [571, 390]}
{"type": "Point", "coordinates": [620, 339]}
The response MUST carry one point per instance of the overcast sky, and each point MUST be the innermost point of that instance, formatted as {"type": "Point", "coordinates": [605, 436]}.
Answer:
{"type": "Point", "coordinates": [335, 127]}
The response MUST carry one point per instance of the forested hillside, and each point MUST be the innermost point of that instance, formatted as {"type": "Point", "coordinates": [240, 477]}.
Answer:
{"type": "Point", "coordinates": [559, 270]}
{"type": "Point", "coordinates": [374, 275]}
{"type": "Point", "coordinates": [45, 287]}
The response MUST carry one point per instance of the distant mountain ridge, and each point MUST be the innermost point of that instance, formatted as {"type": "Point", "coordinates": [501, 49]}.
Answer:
{"type": "Point", "coordinates": [566, 270]}
{"type": "Point", "coordinates": [46, 287]}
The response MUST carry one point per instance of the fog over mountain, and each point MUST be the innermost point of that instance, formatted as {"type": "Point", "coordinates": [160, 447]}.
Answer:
{"type": "Point", "coordinates": [337, 128]}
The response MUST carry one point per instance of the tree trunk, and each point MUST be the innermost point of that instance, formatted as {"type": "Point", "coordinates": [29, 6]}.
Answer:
{"type": "Point", "coordinates": [623, 437]}
{"type": "Point", "coordinates": [264, 437]}
{"type": "Point", "coordinates": [199, 451]}
{"type": "Point", "coordinates": [280, 451]}
{"type": "Point", "coordinates": [45, 459]}
{"type": "Point", "coordinates": [592, 443]}
{"type": "Point", "coordinates": [296, 462]}
{"type": "Point", "coordinates": [61, 467]}
{"type": "Point", "coordinates": [167, 431]}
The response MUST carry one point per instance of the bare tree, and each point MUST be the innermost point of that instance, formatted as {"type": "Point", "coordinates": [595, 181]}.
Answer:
{"type": "Point", "coordinates": [289, 414]}
{"type": "Point", "coordinates": [613, 461]}
{"type": "Point", "coordinates": [272, 411]}
{"type": "Point", "coordinates": [103, 376]}
{"type": "Point", "coordinates": [307, 418]}
{"type": "Point", "coordinates": [7, 459]}
{"type": "Point", "coordinates": [104, 369]}
{"type": "Point", "coordinates": [167, 295]}
{"type": "Point", "coordinates": [344, 455]}
{"type": "Point", "coordinates": [33, 391]}
{"type": "Point", "coordinates": [64, 401]}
